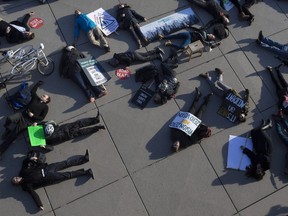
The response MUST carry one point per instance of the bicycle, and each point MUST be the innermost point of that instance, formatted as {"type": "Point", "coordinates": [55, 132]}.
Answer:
{"type": "Point", "coordinates": [24, 59]}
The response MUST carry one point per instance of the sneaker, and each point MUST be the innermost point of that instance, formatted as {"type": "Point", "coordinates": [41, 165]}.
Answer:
{"type": "Point", "coordinates": [243, 16]}
{"type": "Point", "coordinates": [219, 71]}
{"type": "Point", "coordinates": [103, 93]}
{"type": "Point", "coordinates": [204, 75]}
{"type": "Point", "coordinates": [86, 156]}
{"type": "Point", "coordinates": [90, 172]}
{"type": "Point", "coordinates": [107, 49]}
{"type": "Point", "coordinates": [269, 68]}
{"type": "Point", "coordinates": [168, 43]}
{"type": "Point", "coordinates": [260, 36]}
{"type": "Point", "coordinates": [159, 50]}
{"type": "Point", "coordinates": [258, 41]}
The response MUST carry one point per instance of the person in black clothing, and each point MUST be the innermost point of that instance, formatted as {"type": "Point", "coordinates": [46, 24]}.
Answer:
{"type": "Point", "coordinates": [219, 14]}
{"type": "Point", "coordinates": [17, 31]}
{"type": "Point", "coordinates": [56, 134]}
{"type": "Point", "coordinates": [261, 156]}
{"type": "Point", "coordinates": [281, 88]}
{"type": "Point", "coordinates": [35, 112]}
{"type": "Point", "coordinates": [166, 82]}
{"type": "Point", "coordinates": [128, 58]}
{"type": "Point", "coordinates": [129, 20]}
{"type": "Point", "coordinates": [224, 91]}
{"type": "Point", "coordinates": [181, 139]}
{"type": "Point", "coordinates": [70, 68]}
{"type": "Point", "coordinates": [43, 174]}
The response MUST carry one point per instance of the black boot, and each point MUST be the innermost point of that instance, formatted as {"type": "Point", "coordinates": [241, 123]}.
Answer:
{"type": "Point", "coordinates": [86, 156]}
{"type": "Point", "coordinates": [80, 172]}
{"type": "Point", "coordinates": [90, 173]}
{"type": "Point", "coordinates": [198, 94]}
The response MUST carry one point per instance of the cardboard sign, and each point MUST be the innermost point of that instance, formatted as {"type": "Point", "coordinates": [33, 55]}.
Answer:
{"type": "Point", "coordinates": [169, 24]}
{"type": "Point", "coordinates": [107, 23]}
{"type": "Point", "coordinates": [236, 158]}
{"type": "Point", "coordinates": [232, 106]}
{"type": "Point", "coordinates": [36, 135]}
{"type": "Point", "coordinates": [185, 122]}
{"type": "Point", "coordinates": [36, 23]}
{"type": "Point", "coordinates": [93, 70]}
{"type": "Point", "coordinates": [142, 96]}
{"type": "Point", "coordinates": [123, 73]}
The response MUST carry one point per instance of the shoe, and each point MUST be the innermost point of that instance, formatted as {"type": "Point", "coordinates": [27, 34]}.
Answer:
{"type": "Point", "coordinates": [31, 13]}
{"type": "Point", "coordinates": [243, 16]}
{"type": "Point", "coordinates": [269, 68]}
{"type": "Point", "coordinates": [168, 43]}
{"type": "Point", "coordinates": [86, 156]}
{"type": "Point", "coordinates": [260, 36]}
{"type": "Point", "coordinates": [159, 50]}
{"type": "Point", "coordinates": [103, 93]}
{"type": "Point", "coordinates": [247, 91]}
{"type": "Point", "coordinates": [198, 94]}
{"type": "Point", "coordinates": [258, 41]}
{"type": "Point", "coordinates": [160, 36]}
{"type": "Point", "coordinates": [107, 49]}
{"type": "Point", "coordinates": [90, 172]}
{"type": "Point", "coordinates": [219, 71]}
{"type": "Point", "coordinates": [204, 75]}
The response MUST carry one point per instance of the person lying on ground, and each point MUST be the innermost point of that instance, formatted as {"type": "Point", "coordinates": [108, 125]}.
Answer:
{"type": "Point", "coordinates": [43, 174]}
{"type": "Point", "coordinates": [94, 34]}
{"type": "Point", "coordinates": [16, 31]}
{"type": "Point", "coordinates": [16, 123]}
{"type": "Point", "coordinates": [224, 90]}
{"type": "Point", "coordinates": [130, 57]}
{"type": "Point", "coordinates": [279, 49]}
{"type": "Point", "coordinates": [129, 20]}
{"type": "Point", "coordinates": [71, 69]}
{"type": "Point", "coordinates": [179, 138]}
{"type": "Point", "coordinates": [261, 155]}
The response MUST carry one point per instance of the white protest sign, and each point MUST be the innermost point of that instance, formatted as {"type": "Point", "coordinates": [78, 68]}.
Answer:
{"type": "Point", "coordinates": [186, 122]}
{"type": "Point", "coordinates": [107, 23]}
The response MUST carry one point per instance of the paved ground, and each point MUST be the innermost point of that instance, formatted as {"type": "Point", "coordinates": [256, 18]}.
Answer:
{"type": "Point", "coordinates": [136, 174]}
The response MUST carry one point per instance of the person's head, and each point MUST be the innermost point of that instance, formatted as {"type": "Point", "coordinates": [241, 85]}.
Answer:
{"type": "Point", "coordinates": [176, 146]}
{"type": "Point", "coordinates": [69, 48]}
{"type": "Point", "coordinates": [255, 172]}
{"type": "Point", "coordinates": [28, 35]}
{"type": "Point", "coordinates": [211, 37]}
{"type": "Point", "coordinates": [49, 129]}
{"type": "Point", "coordinates": [77, 12]}
{"type": "Point", "coordinates": [157, 98]}
{"type": "Point", "coordinates": [242, 117]}
{"type": "Point", "coordinates": [17, 180]}
{"type": "Point", "coordinates": [114, 62]}
{"type": "Point", "coordinates": [45, 98]}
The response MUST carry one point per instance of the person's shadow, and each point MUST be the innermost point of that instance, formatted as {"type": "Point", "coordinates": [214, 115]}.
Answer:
{"type": "Point", "coordinates": [278, 210]}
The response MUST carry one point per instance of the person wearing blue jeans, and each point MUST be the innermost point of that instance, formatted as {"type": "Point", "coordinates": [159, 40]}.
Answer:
{"type": "Point", "coordinates": [279, 49]}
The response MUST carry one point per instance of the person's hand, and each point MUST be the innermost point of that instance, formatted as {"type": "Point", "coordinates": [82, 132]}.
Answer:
{"type": "Point", "coordinates": [42, 146]}
{"type": "Point", "coordinates": [34, 124]}
{"type": "Point", "coordinates": [30, 114]}
{"type": "Point", "coordinates": [145, 19]}
{"type": "Point", "coordinates": [41, 208]}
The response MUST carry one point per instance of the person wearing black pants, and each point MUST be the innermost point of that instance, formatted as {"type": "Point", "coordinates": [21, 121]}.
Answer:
{"type": "Point", "coordinates": [179, 138]}
{"type": "Point", "coordinates": [43, 174]}
{"type": "Point", "coordinates": [281, 88]}
{"type": "Point", "coordinates": [261, 155]}
{"type": "Point", "coordinates": [128, 58]}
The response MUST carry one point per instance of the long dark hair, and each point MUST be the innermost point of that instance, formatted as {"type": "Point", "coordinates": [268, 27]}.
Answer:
{"type": "Point", "coordinates": [256, 172]}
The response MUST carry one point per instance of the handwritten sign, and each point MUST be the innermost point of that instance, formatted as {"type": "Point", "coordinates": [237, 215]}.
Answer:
{"type": "Point", "coordinates": [185, 122]}
{"type": "Point", "coordinates": [107, 23]}
{"type": "Point", "coordinates": [231, 107]}
{"type": "Point", "coordinates": [36, 23]}
{"type": "Point", "coordinates": [93, 71]}
{"type": "Point", "coordinates": [123, 73]}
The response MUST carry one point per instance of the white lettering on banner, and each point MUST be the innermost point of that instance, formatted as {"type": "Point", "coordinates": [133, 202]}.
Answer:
{"type": "Point", "coordinates": [231, 108]}
{"type": "Point", "coordinates": [186, 122]}
{"type": "Point", "coordinates": [236, 100]}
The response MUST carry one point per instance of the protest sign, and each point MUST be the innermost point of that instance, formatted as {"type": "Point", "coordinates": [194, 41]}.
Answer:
{"type": "Point", "coordinates": [36, 135]}
{"type": "Point", "coordinates": [93, 70]}
{"type": "Point", "coordinates": [142, 96]}
{"type": "Point", "coordinates": [123, 73]}
{"type": "Point", "coordinates": [185, 122]}
{"type": "Point", "coordinates": [107, 23]}
{"type": "Point", "coordinates": [169, 24]}
{"type": "Point", "coordinates": [36, 23]}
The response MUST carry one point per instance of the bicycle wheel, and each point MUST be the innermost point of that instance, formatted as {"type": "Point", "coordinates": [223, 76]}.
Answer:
{"type": "Point", "coordinates": [45, 68]}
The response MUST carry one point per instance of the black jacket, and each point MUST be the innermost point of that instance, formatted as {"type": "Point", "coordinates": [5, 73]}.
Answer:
{"type": "Point", "coordinates": [126, 17]}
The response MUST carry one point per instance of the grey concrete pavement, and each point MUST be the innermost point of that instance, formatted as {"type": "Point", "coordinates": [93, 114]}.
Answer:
{"type": "Point", "coordinates": [136, 173]}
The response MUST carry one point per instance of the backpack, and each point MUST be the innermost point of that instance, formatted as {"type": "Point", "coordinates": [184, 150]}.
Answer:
{"type": "Point", "coordinates": [21, 98]}
{"type": "Point", "coordinates": [220, 31]}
